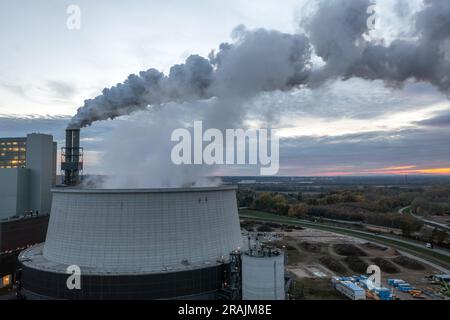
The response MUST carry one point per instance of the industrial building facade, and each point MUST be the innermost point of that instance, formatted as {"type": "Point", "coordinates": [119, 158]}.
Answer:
{"type": "Point", "coordinates": [27, 174]}
{"type": "Point", "coordinates": [20, 232]}
{"type": "Point", "coordinates": [13, 153]}
{"type": "Point", "coordinates": [15, 235]}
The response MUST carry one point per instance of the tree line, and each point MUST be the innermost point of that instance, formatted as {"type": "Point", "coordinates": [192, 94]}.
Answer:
{"type": "Point", "coordinates": [341, 205]}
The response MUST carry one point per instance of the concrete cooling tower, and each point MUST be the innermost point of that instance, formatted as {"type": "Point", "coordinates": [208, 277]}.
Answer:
{"type": "Point", "coordinates": [135, 244]}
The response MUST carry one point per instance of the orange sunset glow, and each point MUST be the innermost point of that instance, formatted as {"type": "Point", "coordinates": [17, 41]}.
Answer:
{"type": "Point", "coordinates": [394, 170]}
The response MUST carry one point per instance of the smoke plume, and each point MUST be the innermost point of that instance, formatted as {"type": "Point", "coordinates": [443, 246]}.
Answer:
{"type": "Point", "coordinates": [264, 60]}
{"type": "Point", "coordinates": [257, 61]}
{"type": "Point", "coordinates": [338, 34]}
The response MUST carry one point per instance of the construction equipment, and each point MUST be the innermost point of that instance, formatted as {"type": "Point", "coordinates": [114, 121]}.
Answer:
{"type": "Point", "coordinates": [372, 296]}
{"type": "Point", "coordinates": [416, 294]}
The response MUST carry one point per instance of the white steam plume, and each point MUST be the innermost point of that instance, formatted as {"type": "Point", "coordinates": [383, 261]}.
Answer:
{"type": "Point", "coordinates": [338, 32]}
{"type": "Point", "coordinates": [259, 61]}
{"type": "Point", "coordinates": [263, 60]}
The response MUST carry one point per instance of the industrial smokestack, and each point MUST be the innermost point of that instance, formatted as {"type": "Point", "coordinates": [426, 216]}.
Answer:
{"type": "Point", "coordinates": [72, 158]}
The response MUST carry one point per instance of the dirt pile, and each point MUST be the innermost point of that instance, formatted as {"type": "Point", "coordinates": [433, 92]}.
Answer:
{"type": "Point", "coordinates": [408, 263]}
{"type": "Point", "coordinates": [348, 250]}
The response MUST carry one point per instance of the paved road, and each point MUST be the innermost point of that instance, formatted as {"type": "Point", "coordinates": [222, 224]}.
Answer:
{"type": "Point", "coordinates": [418, 244]}
{"type": "Point", "coordinates": [430, 222]}
{"type": "Point", "coordinates": [425, 221]}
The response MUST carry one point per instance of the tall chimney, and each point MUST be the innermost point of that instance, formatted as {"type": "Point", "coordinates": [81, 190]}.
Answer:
{"type": "Point", "coordinates": [72, 158]}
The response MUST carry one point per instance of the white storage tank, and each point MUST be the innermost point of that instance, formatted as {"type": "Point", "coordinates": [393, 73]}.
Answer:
{"type": "Point", "coordinates": [263, 275]}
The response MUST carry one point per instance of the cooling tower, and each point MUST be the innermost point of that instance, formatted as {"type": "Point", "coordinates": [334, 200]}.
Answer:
{"type": "Point", "coordinates": [135, 244]}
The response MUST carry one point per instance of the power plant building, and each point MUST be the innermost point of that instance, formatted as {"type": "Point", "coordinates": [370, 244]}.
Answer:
{"type": "Point", "coordinates": [27, 174]}
{"type": "Point", "coordinates": [171, 243]}
{"type": "Point", "coordinates": [13, 153]}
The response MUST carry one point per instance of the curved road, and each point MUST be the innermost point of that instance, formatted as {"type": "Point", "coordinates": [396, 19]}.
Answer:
{"type": "Point", "coordinates": [425, 221]}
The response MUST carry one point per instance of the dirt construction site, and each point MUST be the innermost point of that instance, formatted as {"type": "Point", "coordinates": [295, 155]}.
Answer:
{"type": "Point", "coordinates": [315, 256]}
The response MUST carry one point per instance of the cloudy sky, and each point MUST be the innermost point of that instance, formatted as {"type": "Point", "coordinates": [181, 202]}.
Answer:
{"type": "Point", "coordinates": [355, 127]}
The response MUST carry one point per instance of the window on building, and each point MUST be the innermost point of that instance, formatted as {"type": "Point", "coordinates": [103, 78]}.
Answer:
{"type": "Point", "coordinates": [6, 280]}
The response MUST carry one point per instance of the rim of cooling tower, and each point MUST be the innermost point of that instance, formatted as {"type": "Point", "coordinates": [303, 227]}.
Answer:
{"type": "Point", "coordinates": [34, 258]}
{"type": "Point", "coordinates": [138, 190]}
